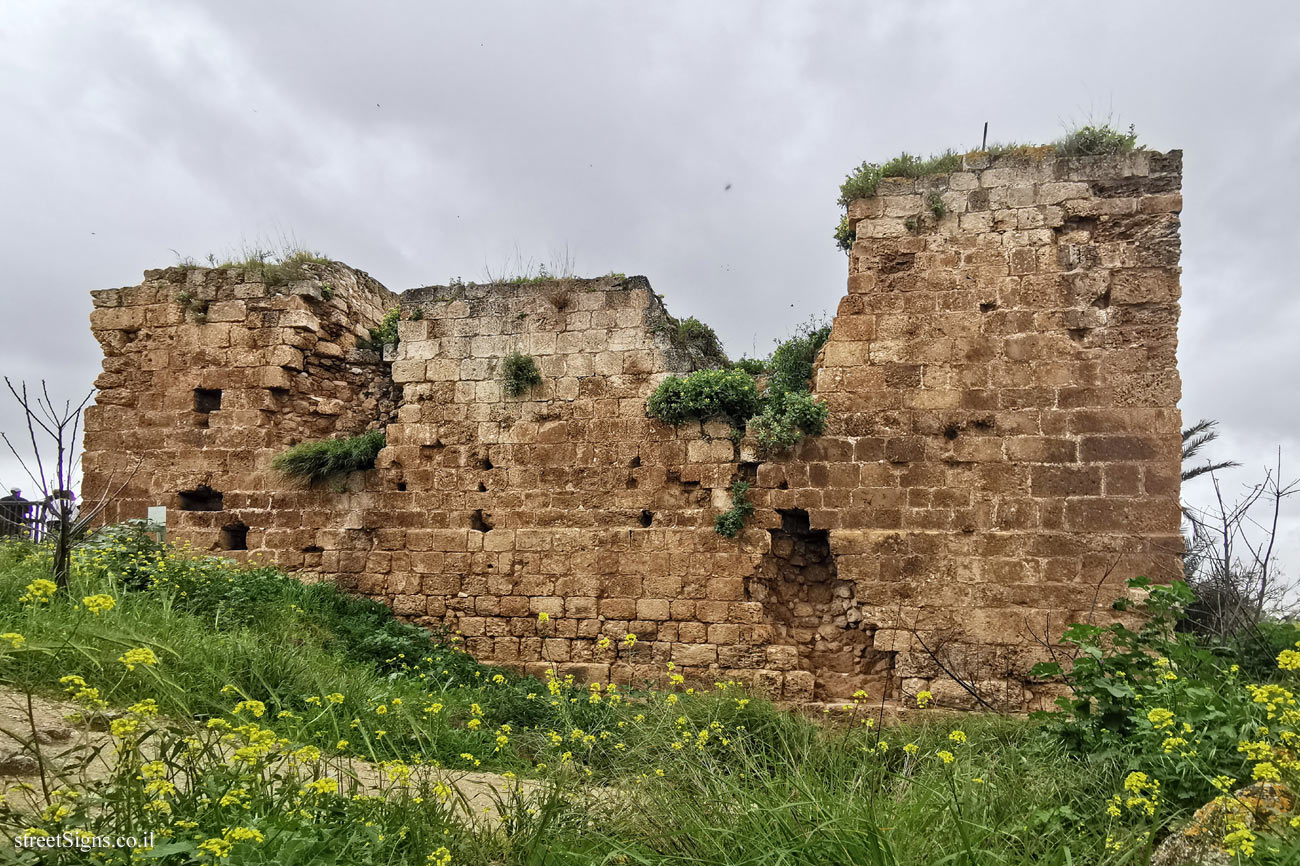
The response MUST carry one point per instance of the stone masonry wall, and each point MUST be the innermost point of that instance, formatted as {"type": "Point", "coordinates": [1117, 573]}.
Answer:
{"type": "Point", "coordinates": [1002, 453]}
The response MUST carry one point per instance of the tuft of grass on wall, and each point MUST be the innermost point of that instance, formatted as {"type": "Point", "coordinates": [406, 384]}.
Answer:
{"type": "Point", "coordinates": [1097, 140]}
{"type": "Point", "coordinates": [315, 461]}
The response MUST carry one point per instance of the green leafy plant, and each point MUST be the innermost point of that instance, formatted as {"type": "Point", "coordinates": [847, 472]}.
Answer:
{"type": "Point", "coordinates": [1156, 697]}
{"type": "Point", "coordinates": [519, 373]}
{"type": "Point", "coordinates": [791, 364]}
{"type": "Point", "coordinates": [844, 234]}
{"type": "Point", "coordinates": [386, 332]}
{"type": "Point", "coordinates": [936, 205]}
{"type": "Point", "coordinates": [326, 292]}
{"type": "Point", "coordinates": [787, 418]}
{"type": "Point", "coordinates": [752, 366]}
{"type": "Point", "coordinates": [1097, 140]}
{"type": "Point", "coordinates": [705, 394]}
{"type": "Point", "coordinates": [729, 523]}
{"type": "Point", "coordinates": [318, 460]}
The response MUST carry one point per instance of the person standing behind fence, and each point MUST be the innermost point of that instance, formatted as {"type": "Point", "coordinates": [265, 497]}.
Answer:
{"type": "Point", "coordinates": [14, 512]}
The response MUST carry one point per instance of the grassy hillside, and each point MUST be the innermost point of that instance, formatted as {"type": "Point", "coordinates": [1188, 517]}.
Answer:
{"type": "Point", "coordinates": [256, 719]}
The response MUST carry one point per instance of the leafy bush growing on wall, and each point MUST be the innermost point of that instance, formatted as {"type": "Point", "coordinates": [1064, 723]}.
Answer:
{"type": "Point", "coordinates": [705, 394]}
{"type": "Point", "coordinates": [386, 332]}
{"type": "Point", "coordinates": [519, 373]}
{"type": "Point", "coordinates": [788, 418]}
{"type": "Point", "coordinates": [729, 523]}
{"type": "Point", "coordinates": [314, 461]}
{"type": "Point", "coordinates": [791, 364]}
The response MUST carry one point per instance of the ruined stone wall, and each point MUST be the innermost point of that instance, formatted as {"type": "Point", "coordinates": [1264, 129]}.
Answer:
{"type": "Point", "coordinates": [1002, 452]}
{"type": "Point", "coordinates": [208, 374]}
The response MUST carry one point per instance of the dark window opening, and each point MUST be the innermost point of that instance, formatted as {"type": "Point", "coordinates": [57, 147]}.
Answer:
{"type": "Point", "coordinates": [234, 536]}
{"type": "Point", "coordinates": [631, 483]}
{"type": "Point", "coordinates": [950, 431]}
{"type": "Point", "coordinates": [482, 488]}
{"type": "Point", "coordinates": [485, 464]}
{"type": "Point", "coordinates": [988, 306]}
{"type": "Point", "coordinates": [647, 518]}
{"type": "Point", "coordinates": [634, 463]}
{"type": "Point", "coordinates": [480, 522]}
{"type": "Point", "coordinates": [313, 548]}
{"type": "Point", "coordinates": [201, 498]}
{"type": "Point", "coordinates": [207, 400]}
{"type": "Point", "coordinates": [749, 472]}
{"type": "Point", "coordinates": [401, 486]}
{"type": "Point", "coordinates": [784, 485]}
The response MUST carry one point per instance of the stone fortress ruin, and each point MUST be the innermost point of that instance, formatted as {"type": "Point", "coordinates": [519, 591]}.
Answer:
{"type": "Point", "coordinates": [1002, 450]}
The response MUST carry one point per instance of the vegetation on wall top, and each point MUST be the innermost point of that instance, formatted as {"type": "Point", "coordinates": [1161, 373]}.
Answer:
{"type": "Point", "coordinates": [276, 262]}
{"type": "Point", "coordinates": [1090, 140]}
{"type": "Point", "coordinates": [314, 461]}
{"type": "Point", "coordinates": [705, 394]}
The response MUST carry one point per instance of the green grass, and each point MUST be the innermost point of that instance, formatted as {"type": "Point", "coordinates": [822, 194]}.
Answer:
{"type": "Point", "coordinates": [318, 460]}
{"type": "Point", "coordinates": [706, 775]}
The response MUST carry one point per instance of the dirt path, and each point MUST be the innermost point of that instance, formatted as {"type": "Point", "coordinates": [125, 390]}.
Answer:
{"type": "Point", "coordinates": [74, 755]}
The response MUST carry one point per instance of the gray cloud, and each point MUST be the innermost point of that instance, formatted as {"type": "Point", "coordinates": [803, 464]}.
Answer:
{"type": "Point", "coordinates": [422, 142]}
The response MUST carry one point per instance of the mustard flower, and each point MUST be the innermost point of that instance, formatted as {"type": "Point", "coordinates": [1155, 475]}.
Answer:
{"type": "Point", "coordinates": [440, 856]}
{"type": "Point", "coordinates": [39, 591]}
{"type": "Point", "coordinates": [957, 736]}
{"type": "Point", "coordinates": [99, 603]}
{"type": "Point", "coordinates": [257, 708]}
{"type": "Point", "coordinates": [923, 699]}
{"type": "Point", "coordinates": [16, 640]}
{"type": "Point", "coordinates": [141, 656]}
{"type": "Point", "coordinates": [629, 640]}
{"type": "Point", "coordinates": [945, 756]}
{"type": "Point", "coordinates": [543, 618]}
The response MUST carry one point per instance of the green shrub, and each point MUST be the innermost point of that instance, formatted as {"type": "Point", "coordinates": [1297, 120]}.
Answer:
{"type": "Point", "coordinates": [519, 373]}
{"type": "Point", "coordinates": [730, 522]}
{"type": "Point", "coordinates": [386, 332]}
{"type": "Point", "coordinates": [791, 364]}
{"type": "Point", "coordinates": [1165, 702]}
{"type": "Point", "coordinates": [844, 235]}
{"type": "Point", "coordinates": [936, 205]}
{"type": "Point", "coordinates": [695, 336]}
{"type": "Point", "coordinates": [787, 418]}
{"type": "Point", "coordinates": [317, 460]}
{"type": "Point", "coordinates": [705, 394]}
{"type": "Point", "coordinates": [752, 366]}
{"type": "Point", "coordinates": [1099, 140]}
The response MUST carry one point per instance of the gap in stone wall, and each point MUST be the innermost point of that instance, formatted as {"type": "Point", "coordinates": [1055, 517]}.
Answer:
{"type": "Point", "coordinates": [234, 536]}
{"type": "Point", "coordinates": [809, 606]}
{"type": "Point", "coordinates": [201, 498]}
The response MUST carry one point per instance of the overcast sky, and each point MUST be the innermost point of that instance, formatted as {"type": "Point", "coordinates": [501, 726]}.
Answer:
{"type": "Point", "coordinates": [424, 141]}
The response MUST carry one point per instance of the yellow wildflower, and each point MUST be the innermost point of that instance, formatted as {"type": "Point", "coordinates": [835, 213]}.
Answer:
{"type": "Point", "coordinates": [923, 699]}
{"type": "Point", "coordinates": [141, 656]}
{"type": "Point", "coordinates": [39, 591]}
{"type": "Point", "coordinates": [99, 603]}
{"type": "Point", "coordinates": [16, 640]}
